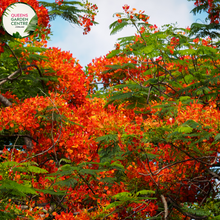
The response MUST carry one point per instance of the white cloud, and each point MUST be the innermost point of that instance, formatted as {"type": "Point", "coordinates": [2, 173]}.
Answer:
{"type": "Point", "coordinates": [99, 42]}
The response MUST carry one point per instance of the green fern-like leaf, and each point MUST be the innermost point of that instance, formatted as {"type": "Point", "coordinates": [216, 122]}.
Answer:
{"type": "Point", "coordinates": [68, 182]}
{"type": "Point", "coordinates": [116, 26]}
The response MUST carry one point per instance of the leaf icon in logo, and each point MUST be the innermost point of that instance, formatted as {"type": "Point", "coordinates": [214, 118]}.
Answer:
{"type": "Point", "coordinates": [32, 25]}
{"type": "Point", "coordinates": [16, 35]}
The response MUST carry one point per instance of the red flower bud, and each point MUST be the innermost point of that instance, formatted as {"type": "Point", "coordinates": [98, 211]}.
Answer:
{"type": "Point", "coordinates": [170, 121]}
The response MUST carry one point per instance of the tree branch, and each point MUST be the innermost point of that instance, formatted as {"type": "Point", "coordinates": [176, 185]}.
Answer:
{"type": "Point", "coordinates": [5, 101]}
{"type": "Point", "coordinates": [165, 206]}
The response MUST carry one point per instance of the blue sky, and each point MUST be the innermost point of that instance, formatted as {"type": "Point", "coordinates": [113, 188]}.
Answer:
{"type": "Point", "coordinates": [98, 42]}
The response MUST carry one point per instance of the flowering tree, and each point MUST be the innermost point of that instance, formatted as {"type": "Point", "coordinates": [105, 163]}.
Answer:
{"type": "Point", "coordinates": [170, 78]}
{"type": "Point", "coordinates": [30, 92]}
{"type": "Point", "coordinates": [144, 146]}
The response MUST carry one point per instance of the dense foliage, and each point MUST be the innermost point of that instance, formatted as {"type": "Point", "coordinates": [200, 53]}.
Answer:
{"type": "Point", "coordinates": [144, 146]}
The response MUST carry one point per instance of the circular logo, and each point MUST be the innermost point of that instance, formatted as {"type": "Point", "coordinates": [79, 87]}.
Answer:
{"type": "Point", "coordinates": [19, 20]}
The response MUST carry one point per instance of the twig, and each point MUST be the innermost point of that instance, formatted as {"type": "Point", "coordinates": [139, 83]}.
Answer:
{"type": "Point", "coordinates": [20, 69]}
{"type": "Point", "coordinates": [2, 81]}
{"type": "Point", "coordinates": [150, 173]}
{"type": "Point", "coordinates": [111, 213]}
{"type": "Point", "coordinates": [14, 148]}
{"type": "Point", "coordinates": [165, 206]}
{"type": "Point", "coordinates": [139, 32]}
{"type": "Point", "coordinates": [135, 212]}
{"type": "Point", "coordinates": [85, 181]}
{"type": "Point", "coordinates": [165, 69]}
{"type": "Point", "coordinates": [170, 165]}
{"type": "Point", "coordinates": [186, 213]}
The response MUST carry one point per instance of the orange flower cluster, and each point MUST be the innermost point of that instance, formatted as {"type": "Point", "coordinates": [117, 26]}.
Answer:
{"type": "Point", "coordinates": [59, 2]}
{"type": "Point", "coordinates": [72, 82]}
{"type": "Point", "coordinates": [131, 14]}
{"type": "Point", "coordinates": [87, 20]}
{"type": "Point", "coordinates": [101, 69]}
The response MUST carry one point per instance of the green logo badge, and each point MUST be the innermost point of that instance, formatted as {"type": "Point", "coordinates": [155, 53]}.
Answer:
{"type": "Point", "coordinates": [19, 20]}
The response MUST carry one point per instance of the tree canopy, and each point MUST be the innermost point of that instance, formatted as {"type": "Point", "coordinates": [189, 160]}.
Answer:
{"type": "Point", "coordinates": [144, 145]}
